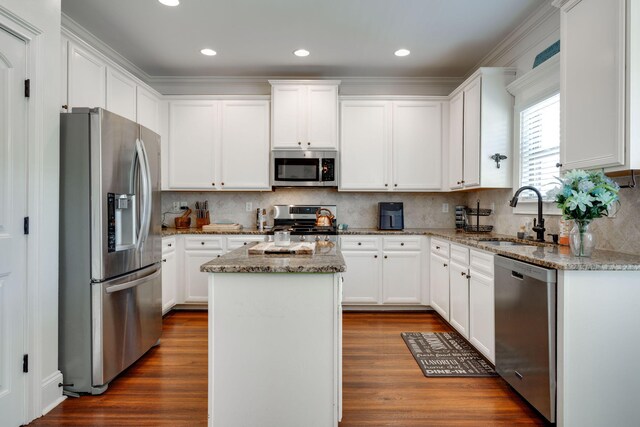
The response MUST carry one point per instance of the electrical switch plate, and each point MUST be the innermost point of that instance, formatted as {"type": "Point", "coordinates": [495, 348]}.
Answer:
{"type": "Point", "coordinates": [445, 207]}
{"type": "Point", "coordinates": [248, 206]}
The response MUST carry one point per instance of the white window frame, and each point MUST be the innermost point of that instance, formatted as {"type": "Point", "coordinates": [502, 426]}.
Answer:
{"type": "Point", "coordinates": [535, 86]}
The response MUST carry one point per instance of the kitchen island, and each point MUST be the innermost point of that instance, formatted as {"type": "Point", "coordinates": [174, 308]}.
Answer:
{"type": "Point", "coordinates": [275, 338]}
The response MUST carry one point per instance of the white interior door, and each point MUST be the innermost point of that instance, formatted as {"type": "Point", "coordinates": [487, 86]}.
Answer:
{"type": "Point", "coordinates": [13, 245]}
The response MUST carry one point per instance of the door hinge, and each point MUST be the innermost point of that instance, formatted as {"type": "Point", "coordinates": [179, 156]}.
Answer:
{"type": "Point", "coordinates": [27, 88]}
{"type": "Point", "coordinates": [25, 363]}
{"type": "Point", "coordinates": [26, 225]}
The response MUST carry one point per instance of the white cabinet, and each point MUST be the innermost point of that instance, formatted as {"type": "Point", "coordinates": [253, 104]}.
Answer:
{"type": "Point", "coordinates": [244, 145]}
{"type": "Point", "coordinates": [362, 278]}
{"type": "Point", "coordinates": [218, 145]}
{"type": "Point", "coordinates": [401, 272]}
{"type": "Point", "coordinates": [439, 281]}
{"type": "Point", "coordinates": [169, 273]}
{"type": "Point", "coordinates": [481, 304]}
{"type": "Point", "coordinates": [86, 80]}
{"type": "Point", "coordinates": [199, 250]}
{"type": "Point", "coordinates": [600, 86]}
{"type": "Point", "coordinates": [148, 109]}
{"type": "Point", "coordinates": [235, 242]}
{"type": "Point", "coordinates": [121, 94]}
{"type": "Point", "coordinates": [480, 125]}
{"type": "Point", "coordinates": [383, 270]}
{"type": "Point", "coordinates": [459, 298]}
{"type": "Point", "coordinates": [391, 145]}
{"type": "Point", "coordinates": [192, 138]}
{"type": "Point", "coordinates": [305, 114]}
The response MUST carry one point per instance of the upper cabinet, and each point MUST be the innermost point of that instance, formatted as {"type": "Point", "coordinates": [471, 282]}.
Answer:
{"type": "Point", "coordinates": [86, 79]}
{"type": "Point", "coordinates": [391, 145]}
{"type": "Point", "coordinates": [305, 114]}
{"type": "Point", "coordinates": [121, 94]}
{"type": "Point", "coordinates": [481, 125]}
{"type": "Point", "coordinates": [148, 109]}
{"type": "Point", "coordinates": [218, 145]}
{"type": "Point", "coordinates": [600, 85]}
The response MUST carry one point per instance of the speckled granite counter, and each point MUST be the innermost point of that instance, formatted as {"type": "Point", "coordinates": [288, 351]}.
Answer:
{"type": "Point", "coordinates": [174, 231]}
{"type": "Point", "coordinates": [327, 259]}
{"type": "Point", "coordinates": [546, 255]}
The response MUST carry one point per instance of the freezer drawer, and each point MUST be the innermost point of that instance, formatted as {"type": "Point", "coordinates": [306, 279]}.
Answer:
{"type": "Point", "coordinates": [126, 321]}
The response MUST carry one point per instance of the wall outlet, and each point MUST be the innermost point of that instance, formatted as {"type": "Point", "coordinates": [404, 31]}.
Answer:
{"type": "Point", "coordinates": [493, 207]}
{"type": "Point", "coordinates": [176, 206]}
{"type": "Point", "coordinates": [184, 206]}
{"type": "Point", "coordinates": [248, 206]}
{"type": "Point", "coordinates": [445, 207]}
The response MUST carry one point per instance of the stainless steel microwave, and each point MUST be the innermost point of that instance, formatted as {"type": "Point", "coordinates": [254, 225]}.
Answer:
{"type": "Point", "coordinates": [304, 168]}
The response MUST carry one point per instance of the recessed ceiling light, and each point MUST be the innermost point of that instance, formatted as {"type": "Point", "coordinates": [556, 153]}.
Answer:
{"type": "Point", "coordinates": [301, 52]}
{"type": "Point", "coordinates": [402, 52]}
{"type": "Point", "coordinates": [208, 52]}
{"type": "Point", "coordinates": [170, 2]}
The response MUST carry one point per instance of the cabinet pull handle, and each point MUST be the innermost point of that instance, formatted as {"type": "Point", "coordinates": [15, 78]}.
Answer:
{"type": "Point", "coordinates": [164, 260]}
{"type": "Point", "coordinates": [437, 247]}
{"type": "Point", "coordinates": [169, 244]}
{"type": "Point", "coordinates": [445, 265]}
{"type": "Point", "coordinates": [558, 165]}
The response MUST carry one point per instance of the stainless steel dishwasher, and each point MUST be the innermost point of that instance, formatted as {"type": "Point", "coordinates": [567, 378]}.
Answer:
{"type": "Point", "coordinates": [525, 319]}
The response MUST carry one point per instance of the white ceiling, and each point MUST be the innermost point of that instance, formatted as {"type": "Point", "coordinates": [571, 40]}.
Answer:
{"type": "Point", "coordinates": [447, 38]}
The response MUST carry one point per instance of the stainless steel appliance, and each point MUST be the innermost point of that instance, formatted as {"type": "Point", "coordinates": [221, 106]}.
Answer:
{"type": "Point", "coordinates": [390, 216]}
{"type": "Point", "coordinates": [525, 319]}
{"type": "Point", "coordinates": [110, 288]}
{"type": "Point", "coordinates": [304, 168]}
{"type": "Point", "coordinates": [300, 220]}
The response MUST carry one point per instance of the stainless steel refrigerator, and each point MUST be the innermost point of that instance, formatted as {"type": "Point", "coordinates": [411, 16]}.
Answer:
{"type": "Point", "coordinates": [110, 302]}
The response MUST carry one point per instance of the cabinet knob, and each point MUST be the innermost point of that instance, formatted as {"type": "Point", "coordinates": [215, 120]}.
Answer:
{"type": "Point", "coordinates": [385, 257]}
{"type": "Point", "coordinates": [462, 182]}
{"type": "Point", "coordinates": [245, 243]}
{"type": "Point", "coordinates": [218, 256]}
{"type": "Point", "coordinates": [308, 143]}
{"type": "Point", "coordinates": [213, 184]}
{"type": "Point", "coordinates": [468, 276]}
{"type": "Point", "coordinates": [164, 260]}
{"type": "Point", "coordinates": [299, 143]}
{"type": "Point", "coordinates": [222, 183]}
{"type": "Point", "coordinates": [446, 265]}
{"type": "Point", "coordinates": [437, 247]}
{"type": "Point", "coordinates": [402, 244]}
{"type": "Point", "coordinates": [395, 185]}
{"type": "Point", "coordinates": [169, 244]}
{"type": "Point", "coordinates": [558, 165]}
{"type": "Point", "coordinates": [463, 273]}
{"type": "Point", "coordinates": [65, 106]}
{"type": "Point", "coordinates": [459, 183]}
{"type": "Point", "coordinates": [386, 185]}
{"type": "Point", "coordinates": [359, 243]}
{"type": "Point", "coordinates": [375, 256]}
{"type": "Point", "coordinates": [202, 243]}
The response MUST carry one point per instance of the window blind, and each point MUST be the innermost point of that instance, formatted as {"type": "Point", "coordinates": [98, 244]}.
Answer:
{"type": "Point", "coordinates": [540, 146]}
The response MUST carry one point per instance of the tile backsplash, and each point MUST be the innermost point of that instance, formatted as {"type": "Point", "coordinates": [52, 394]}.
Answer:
{"type": "Point", "coordinates": [359, 210]}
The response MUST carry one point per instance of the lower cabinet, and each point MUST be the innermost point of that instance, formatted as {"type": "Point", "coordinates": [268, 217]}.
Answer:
{"type": "Point", "coordinates": [459, 298]}
{"type": "Point", "coordinates": [382, 270]}
{"type": "Point", "coordinates": [196, 283]}
{"type": "Point", "coordinates": [439, 280]}
{"type": "Point", "coordinates": [481, 304]}
{"type": "Point", "coordinates": [169, 273]}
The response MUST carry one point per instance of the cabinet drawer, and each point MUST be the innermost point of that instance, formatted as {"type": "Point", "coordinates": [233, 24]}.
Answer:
{"type": "Point", "coordinates": [168, 244]}
{"type": "Point", "coordinates": [460, 254]}
{"type": "Point", "coordinates": [359, 243]}
{"type": "Point", "coordinates": [204, 242]}
{"type": "Point", "coordinates": [481, 262]}
{"type": "Point", "coordinates": [407, 243]}
{"type": "Point", "coordinates": [440, 247]}
{"type": "Point", "coordinates": [240, 241]}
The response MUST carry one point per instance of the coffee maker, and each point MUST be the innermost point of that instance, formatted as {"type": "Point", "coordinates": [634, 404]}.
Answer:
{"type": "Point", "coordinates": [390, 216]}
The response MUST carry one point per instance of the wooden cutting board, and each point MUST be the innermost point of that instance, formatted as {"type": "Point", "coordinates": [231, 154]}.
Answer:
{"type": "Point", "coordinates": [270, 248]}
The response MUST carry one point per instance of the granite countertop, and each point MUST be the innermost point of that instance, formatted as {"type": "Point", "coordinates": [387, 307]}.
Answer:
{"type": "Point", "coordinates": [171, 231]}
{"type": "Point", "coordinates": [544, 254]}
{"type": "Point", "coordinates": [327, 259]}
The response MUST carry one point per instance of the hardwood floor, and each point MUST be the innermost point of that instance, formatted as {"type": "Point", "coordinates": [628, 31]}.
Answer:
{"type": "Point", "coordinates": [383, 385]}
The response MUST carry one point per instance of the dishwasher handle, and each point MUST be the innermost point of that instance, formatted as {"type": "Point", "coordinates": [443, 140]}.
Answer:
{"type": "Point", "coordinates": [517, 275]}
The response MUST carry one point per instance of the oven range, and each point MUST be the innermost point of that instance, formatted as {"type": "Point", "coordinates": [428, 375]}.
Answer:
{"type": "Point", "coordinates": [302, 221]}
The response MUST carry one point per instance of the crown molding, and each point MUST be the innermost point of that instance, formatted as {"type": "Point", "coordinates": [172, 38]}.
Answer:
{"type": "Point", "coordinates": [559, 3]}
{"type": "Point", "coordinates": [534, 21]}
{"type": "Point", "coordinates": [544, 76]}
{"type": "Point", "coordinates": [79, 34]}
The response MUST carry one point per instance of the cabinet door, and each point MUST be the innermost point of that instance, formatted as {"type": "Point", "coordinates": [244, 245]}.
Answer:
{"type": "Point", "coordinates": [322, 117]}
{"type": "Point", "coordinates": [196, 288]}
{"type": "Point", "coordinates": [471, 170]}
{"type": "Point", "coordinates": [244, 145]}
{"type": "Point", "coordinates": [235, 242]}
{"type": "Point", "coordinates": [439, 278]}
{"type": "Point", "coordinates": [481, 315]}
{"type": "Point", "coordinates": [121, 94]}
{"type": "Point", "coordinates": [362, 278]}
{"type": "Point", "coordinates": [364, 145]}
{"type": "Point", "coordinates": [456, 138]}
{"type": "Point", "coordinates": [417, 145]}
{"type": "Point", "coordinates": [148, 109]}
{"type": "Point", "coordinates": [593, 84]}
{"type": "Point", "coordinates": [168, 281]}
{"type": "Point", "coordinates": [192, 140]}
{"type": "Point", "coordinates": [288, 124]}
{"type": "Point", "coordinates": [401, 273]}
{"type": "Point", "coordinates": [459, 298]}
{"type": "Point", "coordinates": [87, 77]}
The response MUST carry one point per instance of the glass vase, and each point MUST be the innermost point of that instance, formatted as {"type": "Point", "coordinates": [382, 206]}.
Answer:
{"type": "Point", "coordinates": [581, 240]}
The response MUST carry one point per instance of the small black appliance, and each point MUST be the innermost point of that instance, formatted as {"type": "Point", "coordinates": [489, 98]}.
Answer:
{"type": "Point", "coordinates": [390, 216]}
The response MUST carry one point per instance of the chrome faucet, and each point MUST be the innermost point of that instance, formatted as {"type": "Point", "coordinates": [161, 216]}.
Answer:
{"type": "Point", "coordinates": [539, 226]}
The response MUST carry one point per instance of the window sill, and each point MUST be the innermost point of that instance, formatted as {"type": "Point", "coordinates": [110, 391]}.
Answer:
{"type": "Point", "coordinates": [530, 207]}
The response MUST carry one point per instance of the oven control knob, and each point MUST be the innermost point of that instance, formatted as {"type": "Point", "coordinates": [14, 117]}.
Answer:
{"type": "Point", "coordinates": [317, 238]}
{"type": "Point", "coordinates": [326, 238]}
{"type": "Point", "coordinates": [302, 238]}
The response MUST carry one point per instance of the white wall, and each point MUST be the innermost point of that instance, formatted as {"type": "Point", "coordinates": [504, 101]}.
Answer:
{"type": "Point", "coordinates": [44, 15]}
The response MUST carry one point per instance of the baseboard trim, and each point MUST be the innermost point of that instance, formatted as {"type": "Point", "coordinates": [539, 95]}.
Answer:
{"type": "Point", "coordinates": [363, 307]}
{"type": "Point", "coordinates": [51, 393]}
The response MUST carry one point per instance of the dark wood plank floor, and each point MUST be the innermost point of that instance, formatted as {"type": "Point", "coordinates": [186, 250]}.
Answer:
{"type": "Point", "coordinates": [383, 385]}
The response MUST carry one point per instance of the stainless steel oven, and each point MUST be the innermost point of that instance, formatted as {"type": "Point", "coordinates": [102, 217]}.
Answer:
{"type": "Point", "coordinates": [304, 168]}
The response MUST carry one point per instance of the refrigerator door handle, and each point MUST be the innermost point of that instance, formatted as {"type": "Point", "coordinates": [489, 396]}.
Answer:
{"type": "Point", "coordinates": [132, 284]}
{"type": "Point", "coordinates": [146, 193]}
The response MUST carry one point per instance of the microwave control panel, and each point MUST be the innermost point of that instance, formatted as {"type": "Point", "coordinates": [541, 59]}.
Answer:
{"type": "Point", "coordinates": [328, 169]}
